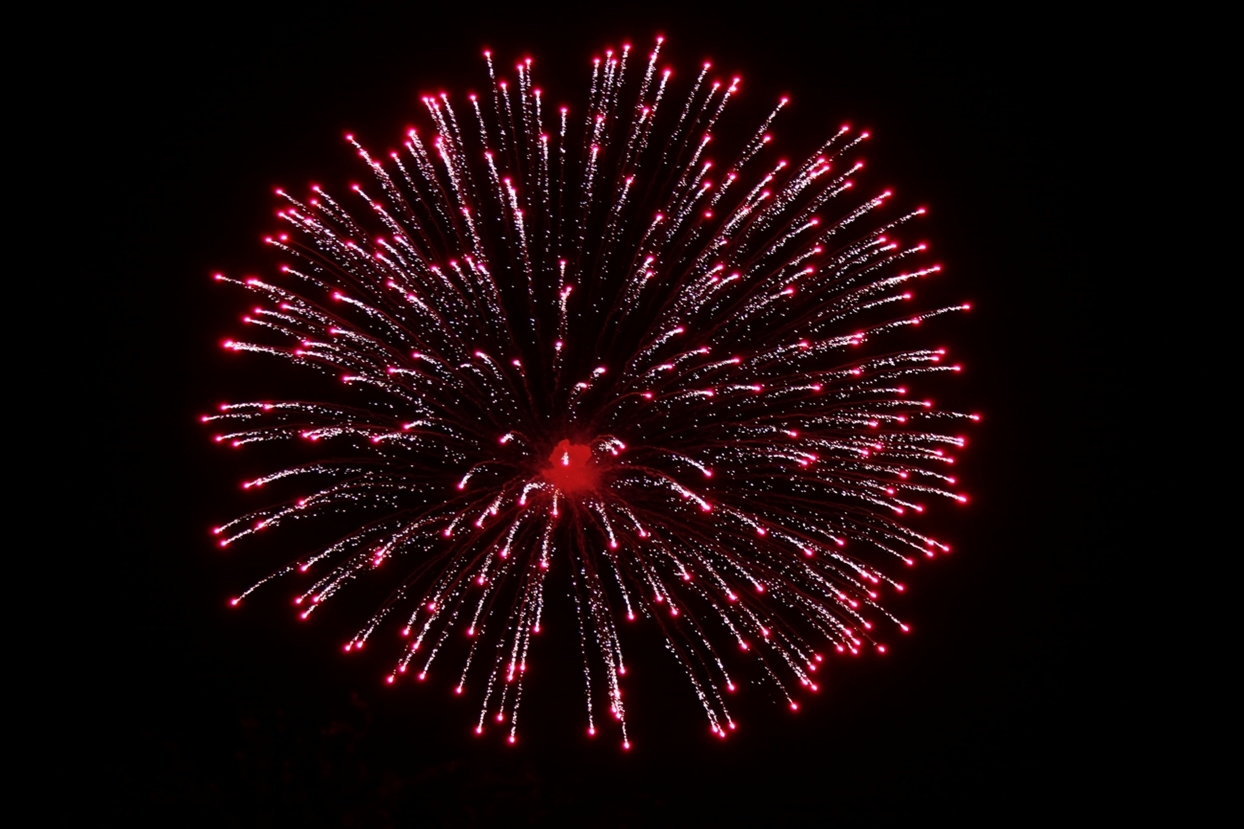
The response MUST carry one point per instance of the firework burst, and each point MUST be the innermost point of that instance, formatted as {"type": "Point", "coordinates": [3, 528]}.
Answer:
{"type": "Point", "coordinates": [579, 343]}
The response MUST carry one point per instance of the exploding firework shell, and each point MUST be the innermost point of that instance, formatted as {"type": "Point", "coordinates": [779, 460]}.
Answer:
{"type": "Point", "coordinates": [580, 344]}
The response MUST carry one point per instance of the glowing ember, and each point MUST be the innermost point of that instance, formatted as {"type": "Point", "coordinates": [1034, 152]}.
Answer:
{"type": "Point", "coordinates": [571, 468]}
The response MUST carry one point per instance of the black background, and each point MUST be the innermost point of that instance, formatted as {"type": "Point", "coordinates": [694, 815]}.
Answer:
{"type": "Point", "coordinates": [244, 718]}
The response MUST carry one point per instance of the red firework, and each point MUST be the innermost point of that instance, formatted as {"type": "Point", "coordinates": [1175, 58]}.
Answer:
{"type": "Point", "coordinates": [595, 349]}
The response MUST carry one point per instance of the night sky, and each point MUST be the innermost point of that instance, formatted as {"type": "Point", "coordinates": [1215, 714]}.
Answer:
{"type": "Point", "coordinates": [247, 718]}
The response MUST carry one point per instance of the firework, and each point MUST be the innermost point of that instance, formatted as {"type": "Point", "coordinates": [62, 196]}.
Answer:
{"type": "Point", "coordinates": [575, 342]}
